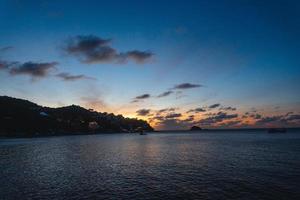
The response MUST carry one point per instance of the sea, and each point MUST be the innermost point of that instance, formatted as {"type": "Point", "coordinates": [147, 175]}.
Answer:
{"type": "Point", "coordinates": [245, 164]}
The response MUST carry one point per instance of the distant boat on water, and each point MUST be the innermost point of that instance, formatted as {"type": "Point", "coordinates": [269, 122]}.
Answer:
{"type": "Point", "coordinates": [141, 131]}
{"type": "Point", "coordinates": [277, 130]}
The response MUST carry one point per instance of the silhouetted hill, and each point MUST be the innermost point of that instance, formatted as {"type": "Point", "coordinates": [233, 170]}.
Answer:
{"type": "Point", "coordinates": [23, 118]}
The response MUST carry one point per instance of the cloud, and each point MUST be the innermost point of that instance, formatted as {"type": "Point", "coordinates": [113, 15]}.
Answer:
{"type": "Point", "coordinates": [92, 49]}
{"type": "Point", "coordinates": [35, 70]}
{"type": "Point", "coordinates": [38, 70]}
{"type": "Point", "coordinates": [293, 117]}
{"type": "Point", "coordinates": [164, 94]}
{"type": "Point", "coordinates": [256, 116]}
{"type": "Point", "coordinates": [143, 96]}
{"type": "Point", "coordinates": [229, 108]}
{"type": "Point", "coordinates": [143, 112]}
{"type": "Point", "coordinates": [139, 56]}
{"type": "Point", "coordinates": [184, 86]}
{"type": "Point", "coordinates": [166, 110]}
{"type": "Point", "coordinates": [269, 119]}
{"type": "Point", "coordinates": [230, 124]}
{"type": "Point", "coordinates": [173, 124]}
{"type": "Point", "coordinates": [164, 114]}
{"type": "Point", "coordinates": [189, 119]}
{"type": "Point", "coordinates": [158, 118]}
{"type": "Point", "coordinates": [69, 77]}
{"type": "Point", "coordinates": [216, 118]}
{"type": "Point", "coordinates": [278, 120]}
{"type": "Point", "coordinates": [173, 115]}
{"type": "Point", "coordinates": [197, 110]}
{"type": "Point", "coordinates": [140, 98]}
{"type": "Point", "coordinates": [214, 105]}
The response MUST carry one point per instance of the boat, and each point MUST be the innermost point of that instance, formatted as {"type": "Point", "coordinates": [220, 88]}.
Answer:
{"type": "Point", "coordinates": [277, 130]}
{"type": "Point", "coordinates": [142, 132]}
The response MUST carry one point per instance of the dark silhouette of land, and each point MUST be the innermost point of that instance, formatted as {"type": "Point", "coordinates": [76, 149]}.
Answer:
{"type": "Point", "coordinates": [195, 128]}
{"type": "Point", "coordinates": [22, 118]}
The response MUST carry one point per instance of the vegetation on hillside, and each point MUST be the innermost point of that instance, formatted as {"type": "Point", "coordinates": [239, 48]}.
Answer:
{"type": "Point", "coordinates": [20, 117]}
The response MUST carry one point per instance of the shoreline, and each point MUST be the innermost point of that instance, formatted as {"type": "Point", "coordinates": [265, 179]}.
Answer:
{"type": "Point", "coordinates": [264, 130]}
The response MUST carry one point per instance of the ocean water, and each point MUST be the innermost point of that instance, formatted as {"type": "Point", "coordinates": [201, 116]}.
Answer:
{"type": "Point", "coordinates": [214, 165]}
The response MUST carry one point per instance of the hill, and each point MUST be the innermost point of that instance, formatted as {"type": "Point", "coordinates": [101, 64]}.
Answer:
{"type": "Point", "coordinates": [22, 118]}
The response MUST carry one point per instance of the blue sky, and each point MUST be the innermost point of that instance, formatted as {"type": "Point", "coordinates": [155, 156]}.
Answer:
{"type": "Point", "coordinates": [243, 54]}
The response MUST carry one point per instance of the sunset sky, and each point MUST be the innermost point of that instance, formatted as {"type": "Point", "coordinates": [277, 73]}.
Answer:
{"type": "Point", "coordinates": [220, 64]}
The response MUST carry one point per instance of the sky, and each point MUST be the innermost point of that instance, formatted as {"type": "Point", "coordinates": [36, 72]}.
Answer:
{"type": "Point", "coordinates": [214, 64]}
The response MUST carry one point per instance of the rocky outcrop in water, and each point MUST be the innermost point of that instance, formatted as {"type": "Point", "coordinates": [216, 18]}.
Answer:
{"type": "Point", "coordinates": [195, 128]}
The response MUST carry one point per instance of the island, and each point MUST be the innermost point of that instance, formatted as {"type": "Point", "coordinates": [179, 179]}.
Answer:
{"type": "Point", "coordinates": [195, 128]}
{"type": "Point", "coordinates": [22, 118]}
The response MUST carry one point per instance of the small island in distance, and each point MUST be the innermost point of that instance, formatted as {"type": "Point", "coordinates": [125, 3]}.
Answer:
{"type": "Point", "coordinates": [195, 128]}
{"type": "Point", "coordinates": [22, 118]}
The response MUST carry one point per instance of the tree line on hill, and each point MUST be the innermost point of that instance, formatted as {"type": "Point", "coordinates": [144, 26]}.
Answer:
{"type": "Point", "coordinates": [22, 118]}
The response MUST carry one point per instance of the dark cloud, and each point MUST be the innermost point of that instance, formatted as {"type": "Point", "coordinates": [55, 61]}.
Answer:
{"type": "Point", "coordinates": [173, 115]}
{"type": "Point", "coordinates": [140, 98]}
{"type": "Point", "coordinates": [256, 116]}
{"type": "Point", "coordinates": [216, 118]}
{"type": "Point", "coordinates": [278, 120]}
{"type": "Point", "coordinates": [229, 108]}
{"type": "Point", "coordinates": [183, 86]}
{"type": "Point", "coordinates": [230, 124]}
{"type": "Point", "coordinates": [244, 116]}
{"type": "Point", "coordinates": [143, 112]}
{"type": "Point", "coordinates": [214, 105]}
{"type": "Point", "coordinates": [164, 94]}
{"type": "Point", "coordinates": [197, 110]}
{"type": "Point", "coordinates": [69, 77]}
{"type": "Point", "coordinates": [293, 117]}
{"type": "Point", "coordinates": [162, 110]}
{"type": "Point", "coordinates": [158, 118]}
{"type": "Point", "coordinates": [143, 96]}
{"type": "Point", "coordinates": [166, 110]}
{"type": "Point", "coordinates": [38, 70]}
{"type": "Point", "coordinates": [269, 119]}
{"type": "Point", "coordinates": [165, 114]}
{"type": "Point", "coordinates": [173, 124]}
{"type": "Point", "coordinates": [92, 49]}
{"type": "Point", "coordinates": [35, 70]}
{"type": "Point", "coordinates": [139, 56]}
